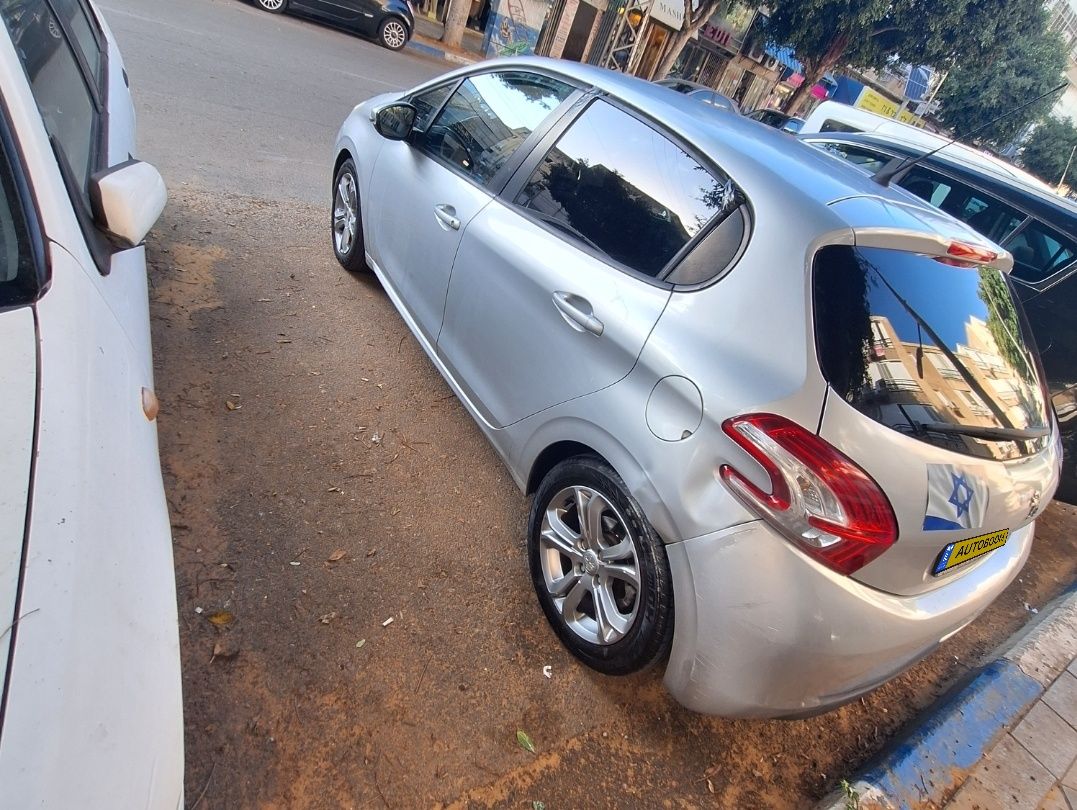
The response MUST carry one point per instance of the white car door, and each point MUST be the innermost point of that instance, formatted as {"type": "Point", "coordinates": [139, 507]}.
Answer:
{"type": "Point", "coordinates": [557, 285]}
{"type": "Point", "coordinates": [425, 190]}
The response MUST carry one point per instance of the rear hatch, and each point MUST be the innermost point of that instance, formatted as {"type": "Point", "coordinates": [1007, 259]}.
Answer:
{"type": "Point", "coordinates": [936, 391]}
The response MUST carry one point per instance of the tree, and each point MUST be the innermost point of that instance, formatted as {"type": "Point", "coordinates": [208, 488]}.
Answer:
{"type": "Point", "coordinates": [694, 17]}
{"type": "Point", "coordinates": [867, 33]}
{"type": "Point", "coordinates": [455, 20]}
{"type": "Point", "coordinates": [1048, 149]}
{"type": "Point", "coordinates": [1025, 63]}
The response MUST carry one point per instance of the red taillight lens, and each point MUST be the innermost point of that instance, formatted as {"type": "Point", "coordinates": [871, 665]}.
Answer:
{"type": "Point", "coordinates": [818, 496]}
{"type": "Point", "coordinates": [960, 254]}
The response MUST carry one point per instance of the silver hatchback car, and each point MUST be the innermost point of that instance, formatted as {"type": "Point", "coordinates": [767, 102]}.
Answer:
{"type": "Point", "coordinates": [781, 425]}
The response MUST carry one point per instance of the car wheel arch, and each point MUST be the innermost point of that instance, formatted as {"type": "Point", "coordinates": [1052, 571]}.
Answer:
{"type": "Point", "coordinates": [591, 440]}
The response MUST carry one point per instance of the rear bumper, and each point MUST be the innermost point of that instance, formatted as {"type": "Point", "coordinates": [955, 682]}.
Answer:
{"type": "Point", "coordinates": [763, 631]}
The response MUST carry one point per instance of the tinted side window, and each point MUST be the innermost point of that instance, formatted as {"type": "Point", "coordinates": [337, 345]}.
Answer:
{"type": "Point", "coordinates": [1039, 252]}
{"type": "Point", "coordinates": [84, 30]}
{"type": "Point", "coordinates": [624, 190]}
{"type": "Point", "coordinates": [18, 282]}
{"type": "Point", "coordinates": [427, 105]}
{"type": "Point", "coordinates": [488, 117]}
{"type": "Point", "coordinates": [986, 214]}
{"type": "Point", "coordinates": [830, 125]}
{"type": "Point", "coordinates": [58, 84]}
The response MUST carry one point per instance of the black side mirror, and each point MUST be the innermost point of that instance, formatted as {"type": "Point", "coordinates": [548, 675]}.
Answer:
{"type": "Point", "coordinates": [395, 121]}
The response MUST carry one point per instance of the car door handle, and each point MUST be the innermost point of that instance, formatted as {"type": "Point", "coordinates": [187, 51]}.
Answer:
{"type": "Point", "coordinates": [446, 215]}
{"type": "Point", "coordinates": [577, 312]}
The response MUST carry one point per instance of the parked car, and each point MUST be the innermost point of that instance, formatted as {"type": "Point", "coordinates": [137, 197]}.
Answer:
{"type": "Point", "coordinates": [1039, 228]}
{"type": "Point", "coordinates": [700, 92]}
{"type": "Point", "coordinates": [778, 120]}
{"type": "Point", "coordinates": [89, 645]}
{"type": "Point", "coordinates": [390, 22]}
{"type": "Point", "coordinates": [720, 362]}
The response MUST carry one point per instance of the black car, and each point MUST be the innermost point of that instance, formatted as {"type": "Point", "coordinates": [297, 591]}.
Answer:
{"type": "Point", "coordinates": [1040, 230]}
{"type": "Point", "coordinates": [390, 22]}
{"type": "Point", "coordinates": [778, 120]}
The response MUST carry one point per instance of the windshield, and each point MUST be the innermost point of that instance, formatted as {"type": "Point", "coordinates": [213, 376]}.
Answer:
{"type": "Point", "coordinates": [938, 352]}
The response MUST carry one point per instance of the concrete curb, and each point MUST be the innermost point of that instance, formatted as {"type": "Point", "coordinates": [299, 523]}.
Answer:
{"type": "Point", "coordinates": [933, 761]}
{"type": "Point", "coordinates": [440, 53]}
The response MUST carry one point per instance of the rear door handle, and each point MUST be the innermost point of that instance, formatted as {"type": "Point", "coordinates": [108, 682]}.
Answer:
{"type": "Point", "coordinates": [577, 312]}
{"type": "Point", "coordinates": [446, 215]}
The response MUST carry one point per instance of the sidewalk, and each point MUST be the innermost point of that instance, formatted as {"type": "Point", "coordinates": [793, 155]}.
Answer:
{"type": "Point", "coordinates": [1006, 740]}
{"type": "Point", "coordinates": [425, 40]}
{"type": "Point", "coordinates": [1035, 765]}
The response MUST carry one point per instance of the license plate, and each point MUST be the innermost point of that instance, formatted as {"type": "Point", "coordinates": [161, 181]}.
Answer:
{"type": "Point", "coordinates": [964, 550]}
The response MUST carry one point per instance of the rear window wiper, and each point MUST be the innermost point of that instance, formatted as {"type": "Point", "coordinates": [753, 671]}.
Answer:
{"type": "Point", "coordinates": [994, 434]}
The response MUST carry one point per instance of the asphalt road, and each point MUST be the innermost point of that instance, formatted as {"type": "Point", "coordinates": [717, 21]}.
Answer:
{"type": "Point", "coordinates": [234, 99]}
{"type": "Point", "coordinates": [356, 619]}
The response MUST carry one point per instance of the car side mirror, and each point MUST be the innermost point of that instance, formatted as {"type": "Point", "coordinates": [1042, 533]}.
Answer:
{"type": "Point", "coordinates": [128, 199]}
{"type": "Point", "coordinates": [395, 121]}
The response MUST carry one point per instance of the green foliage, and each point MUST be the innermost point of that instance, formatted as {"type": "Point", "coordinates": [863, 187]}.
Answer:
{"type": "Point", "coordinates": [1048, 148]}
{"type": "Point", "coordinates": [1002, 321]}
{"type": "Point", "coordinates": [1024, 62]}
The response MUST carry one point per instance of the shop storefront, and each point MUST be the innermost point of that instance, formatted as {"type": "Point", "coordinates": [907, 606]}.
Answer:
{"type": "Point", "coordinates": [571, 30]}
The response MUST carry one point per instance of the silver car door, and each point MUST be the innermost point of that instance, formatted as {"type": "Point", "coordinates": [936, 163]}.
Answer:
{"type": "Point", "coordinates": [427, 189]}
{"type": "Point", "coordinates": [555, 288]}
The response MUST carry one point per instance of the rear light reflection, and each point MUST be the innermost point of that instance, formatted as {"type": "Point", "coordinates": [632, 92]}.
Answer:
{"type": "Point", "coordinates": [818, 496]}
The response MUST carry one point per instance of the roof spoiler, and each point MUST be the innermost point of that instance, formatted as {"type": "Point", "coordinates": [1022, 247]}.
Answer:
{"type": "Point", "coordinates": [950, 250]}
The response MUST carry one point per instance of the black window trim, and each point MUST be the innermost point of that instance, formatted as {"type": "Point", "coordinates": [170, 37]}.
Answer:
{"type": "Point", "coordinates": [538, 152]}
{"type": "Point", "coordinates": [496, 184]}
{"type": "Point", "coordinates": [31, 211]}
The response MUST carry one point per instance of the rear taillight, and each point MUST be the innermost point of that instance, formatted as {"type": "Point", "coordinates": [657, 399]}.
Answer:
{"type": "Point", "coordinates": [818, 496]}
{"type": "Point", "coordinates": [960, 254]}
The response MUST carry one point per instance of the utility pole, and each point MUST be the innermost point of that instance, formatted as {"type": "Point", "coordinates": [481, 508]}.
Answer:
{"type": "Point", "coordinates": [1065, 171]}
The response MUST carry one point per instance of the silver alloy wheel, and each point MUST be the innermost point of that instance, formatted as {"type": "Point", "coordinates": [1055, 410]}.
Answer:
{"type": "Point", "coordinates": [589, 565]}
{"type": "Point", "coordinates": [394, 34]}
{"type": "Point", "coordinates": [345, 214]}
{"type": "Point", "coordinates": [271, 5]}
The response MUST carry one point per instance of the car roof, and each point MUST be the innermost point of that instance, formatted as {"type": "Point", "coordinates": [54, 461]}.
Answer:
{"type": "Point", "coordinates": [1044, 205]}
{"type": "Point", "coordinates": [765, 162]}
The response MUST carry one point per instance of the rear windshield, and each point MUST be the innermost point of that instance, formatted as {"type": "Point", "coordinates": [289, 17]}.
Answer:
{"type": "Point", "coordinates": [937, 352]}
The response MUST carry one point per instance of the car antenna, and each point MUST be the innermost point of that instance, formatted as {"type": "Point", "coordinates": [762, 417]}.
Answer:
{"type": "Point", "coordinates": [890, 170]}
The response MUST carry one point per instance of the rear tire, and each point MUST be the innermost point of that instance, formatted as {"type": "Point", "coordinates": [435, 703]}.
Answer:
{"type": "Point", "coordinates": [346, 220]}
{"type": "Point", "coordinates": [273, 6]}
{"type": "Point", "coordinates": [393, 33]}
{"type": "Point", "coordinates": [599, 568]}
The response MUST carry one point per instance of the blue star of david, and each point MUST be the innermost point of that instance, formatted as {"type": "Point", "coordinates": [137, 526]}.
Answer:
{"type": "Point", "coordinates": [961, 497]}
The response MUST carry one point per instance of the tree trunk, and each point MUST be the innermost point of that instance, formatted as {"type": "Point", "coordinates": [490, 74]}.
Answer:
{"type": "Point", "coordinates": [799, 96]}
{"type": "Point", "coordinates": [455, 20]}
{"type": "Point", "coordinates": [673, 52]}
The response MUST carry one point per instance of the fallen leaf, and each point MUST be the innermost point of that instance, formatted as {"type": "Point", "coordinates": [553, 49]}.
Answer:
{"type": "Point", "coordinates": [225, 647]}
{"type": "Point", "coordinates": [221, 618]}
{"type": "Point", "coordinates": [525, 741]}
{"type": "Point", "coordinates": [337, 555]}
{"type": "Point", "coordinates": [710, 786]}
{"type": "Point", "coordinates": [537, 805]}
{"type": "Point", "coordinates": [360, 643]}
{"type": "Point", "coordinates": [231, 405]}
{"type": "Point", "coordinates": [327, 617]}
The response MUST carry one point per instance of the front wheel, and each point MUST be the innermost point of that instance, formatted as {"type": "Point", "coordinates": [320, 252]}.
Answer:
{"type": "Point", "coordinates": [273, 6]}
{"type": "Point", "coordinates": [599, 568]}
{"type": "Point", "coordinates": [347, 222]}
{"type": "Point", "coordinates": [393, 34]}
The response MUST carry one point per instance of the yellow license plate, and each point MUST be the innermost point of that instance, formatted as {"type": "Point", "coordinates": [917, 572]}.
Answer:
{"type": "Point", "coordinates": [964, 550]}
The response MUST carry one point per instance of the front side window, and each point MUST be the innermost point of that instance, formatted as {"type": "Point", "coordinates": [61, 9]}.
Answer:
{"type": "Point", "coordinates": [83, 29]}
{"type": "Point", "coordinates": [427, 105]}
{"type": "Point", "coordinates": [1039, 252]}
{"type": "Point", "coordinates": [18, 280]}
{"type": "Point", "coordinates": [488, 117]}
{"type": "Point", "coordinates": [623, 190]}
{"type": "Point", "coordinates": [59, 86]}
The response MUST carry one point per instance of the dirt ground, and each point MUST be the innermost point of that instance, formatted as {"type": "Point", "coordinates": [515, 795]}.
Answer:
{"type": "Point", "coordinates": [357, 623]}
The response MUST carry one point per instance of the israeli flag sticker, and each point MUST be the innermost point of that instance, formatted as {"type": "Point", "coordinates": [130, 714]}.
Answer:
{"type": "Point", "coordinates": [955, 499]}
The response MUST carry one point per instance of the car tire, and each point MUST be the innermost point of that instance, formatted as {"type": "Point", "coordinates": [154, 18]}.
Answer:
{"type": "Point", "coordinates": [393, 33]}
{"type": "Point", "coordinates": [346, 220]}
{"type": "Point", "coordinates": [273, 6]}
{"type": "Point", "coordinates": [579, 572]}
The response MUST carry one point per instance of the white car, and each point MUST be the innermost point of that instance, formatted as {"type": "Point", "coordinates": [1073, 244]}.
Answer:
{"type": "Point", "coordinates": [91, 713]}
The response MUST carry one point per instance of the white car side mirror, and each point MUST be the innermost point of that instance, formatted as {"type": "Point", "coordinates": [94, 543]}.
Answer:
{"type": "Point", "coordinates": [128, 199]}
